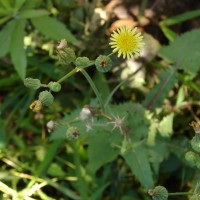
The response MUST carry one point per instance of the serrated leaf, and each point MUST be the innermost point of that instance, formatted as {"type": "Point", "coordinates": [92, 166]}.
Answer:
{"type": "Point", "coordinates": [138, 161]}
{"type": "Point", "coordinates": [155, 97]}
{"type": "Point", "coordinates": [101, 151]}
{"type": "Point", "coordinates": [5, 38]}
{"type": "Point", "coordinates": [17, 50]}
{"type": "Point", "coordinates": [184, 52]}
{"type": "Point", "coordinates": [134, 119]}
{"type": "Point", "coordinates": [52, 28]}
{"type": "Point", "coordinates": [32, 13]}
{"type": "Point", "coordinates": [157, 154]}
{"type": "Point", "coordinates": [166, 125]}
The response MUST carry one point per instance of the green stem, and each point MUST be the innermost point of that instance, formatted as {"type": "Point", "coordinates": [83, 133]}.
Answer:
{"type": "Point", "coordinates": [111, 54]}
{"type": "Point", "coordinates": [93, 87]}
{"type": "Point", "coordinates": [72, 72]}
{"type": "Point", "coordinates": [44, 85]}
{"type": "Point", "coordinates": [179, 193]}
{"type": "Point", "coordinates": [119, 85]}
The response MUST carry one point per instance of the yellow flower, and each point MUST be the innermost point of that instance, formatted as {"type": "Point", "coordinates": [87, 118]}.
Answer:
{"type": "Point", "coordinates": [36, 106]}
{"type": "Point", "coordinates": [127, 41]}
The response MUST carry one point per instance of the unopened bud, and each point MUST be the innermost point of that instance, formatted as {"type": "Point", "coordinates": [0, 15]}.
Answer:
{"type": "Point", "coordinates": [195, 142]}
{"type": "Point", "coordinates": [87, 112]}
{"type": "Point", "coordinates": [32, 83]}
{"type": "Point", "coordinates": [83, 62]}
{"type": "Point", "coordinates": [50, 126]}
{"type": "Point", "coordinates": [46, 98]}
{"type": "Point", "coordinates": [54, 86]}
{"type": "Point", "coordinates": [62, 44]}
{"type": "Point", "coordinates": [159, 193]}
{"type": "Point", "coordinates": [66, 55]}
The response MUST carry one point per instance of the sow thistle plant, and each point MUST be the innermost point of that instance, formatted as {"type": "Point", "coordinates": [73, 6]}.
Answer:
{"type": "Point", "coordinates": [125, 41]}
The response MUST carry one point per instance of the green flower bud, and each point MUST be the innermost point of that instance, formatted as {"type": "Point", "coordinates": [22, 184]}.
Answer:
{"type": "Point", "coordinates": [66, 55]}
{"type": "Point", "coordinates": [32, 83]}
{"type": "Point", "coordinates": [195, 142]}
{"type": "Point", "coordinates": [54, 86]}
{"type": "Point", "coordinates": [103, 63]}
{"type": "Point", "coordinates": [159, 193]}
{"type": "Point", "coordinates": [83, 62]}
{"type": "Point", "coordinates": [191, 158]}
{"type": "Point", "coordinates": [46, 98]}
{"type": "Point", "coordinates": [72, 133]}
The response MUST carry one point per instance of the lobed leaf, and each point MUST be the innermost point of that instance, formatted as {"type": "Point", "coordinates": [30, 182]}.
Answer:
{"type": "Point", "coordinates": [138, 161]}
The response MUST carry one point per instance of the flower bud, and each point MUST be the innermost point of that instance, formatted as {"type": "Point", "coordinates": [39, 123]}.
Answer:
{"type": "Point", "coordinates": [32, 83]}
{"type": "Point", "coordinates": [46, 98]}
{"type": "Point", "coordinates": [195, 142]}
{"type": "Point", "coordinates": [87, 113]}
{"type": "Point", "coordinates": [50, 126]}
{"type": "Point", "coordinates": [54, 86]}
{"type": "Point", "coordinates": [36, 106]}
{"type": "Point", "coordinates": [72, 133]}
{"type": "Point", "coordinates": [66, 55]}
{"type": "Point", "coordinates": [83, 62]}
{"type": "Point", "coordinates": [159, 193]}
{"type": "Point", "coordinates": [103, 63]}
{"type": "Point", "coordinates": [191, 158]}
{"type": "Point", "coordinates": [62, 44]}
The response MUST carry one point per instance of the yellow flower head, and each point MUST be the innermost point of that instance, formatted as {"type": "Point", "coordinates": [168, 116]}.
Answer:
{"type": "Point", "coordinates": [127, 41]}
{"type": "Point", "coordinates": [36, 106]}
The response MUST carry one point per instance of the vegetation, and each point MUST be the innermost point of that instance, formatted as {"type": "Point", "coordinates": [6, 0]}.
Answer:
{"type": "Point", "coordinates": [89, 114]}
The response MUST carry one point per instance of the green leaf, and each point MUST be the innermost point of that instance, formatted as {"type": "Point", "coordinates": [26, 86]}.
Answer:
{"type": "Point", "coordinates": [152, 131]}
{"type": "Point", "coordinates": [157, 154]}
{"type": "Point", "coordinates": [2, 134]}
{"type": "Point", "coordinates": [5, 37]}
{"type": "Point", "coordinates": [184, 52]}
{"type": "Point", "coordinates": [56, 170]}
{"type": "Point", "coordinates": [17, 50]}
{"type": "Point", "coordinates": [155, 97]}
{"type": "Point", "coordinates": [100, 150]}
{"type": "Point", "coordinates": [52, 28]}
{"type": "Point", "coordinates": [170, 35]}
{"type": "Point", "coordinates": [19, 3]}
{"type": "Point", "coordinates": [134, 119]}
{"type": "Point", "coordinates": [180, 18]}
{"type": "Point", "coordinates": [138, 161]}
{"type": "Point", "coordinates": [6, 4]}
{"type": "Point", "coordinates": [98, 193]}
{"type": "Point", "coordinates": [4, 19]}
{"type": "Point", "coordinates": [166, 125]}
{"type": "Point", "coordinates": [32, 13]}
{"type": "Point", "coordinates": [180, 96]}
{"type": "Point", "coordinates": [50, 154]}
